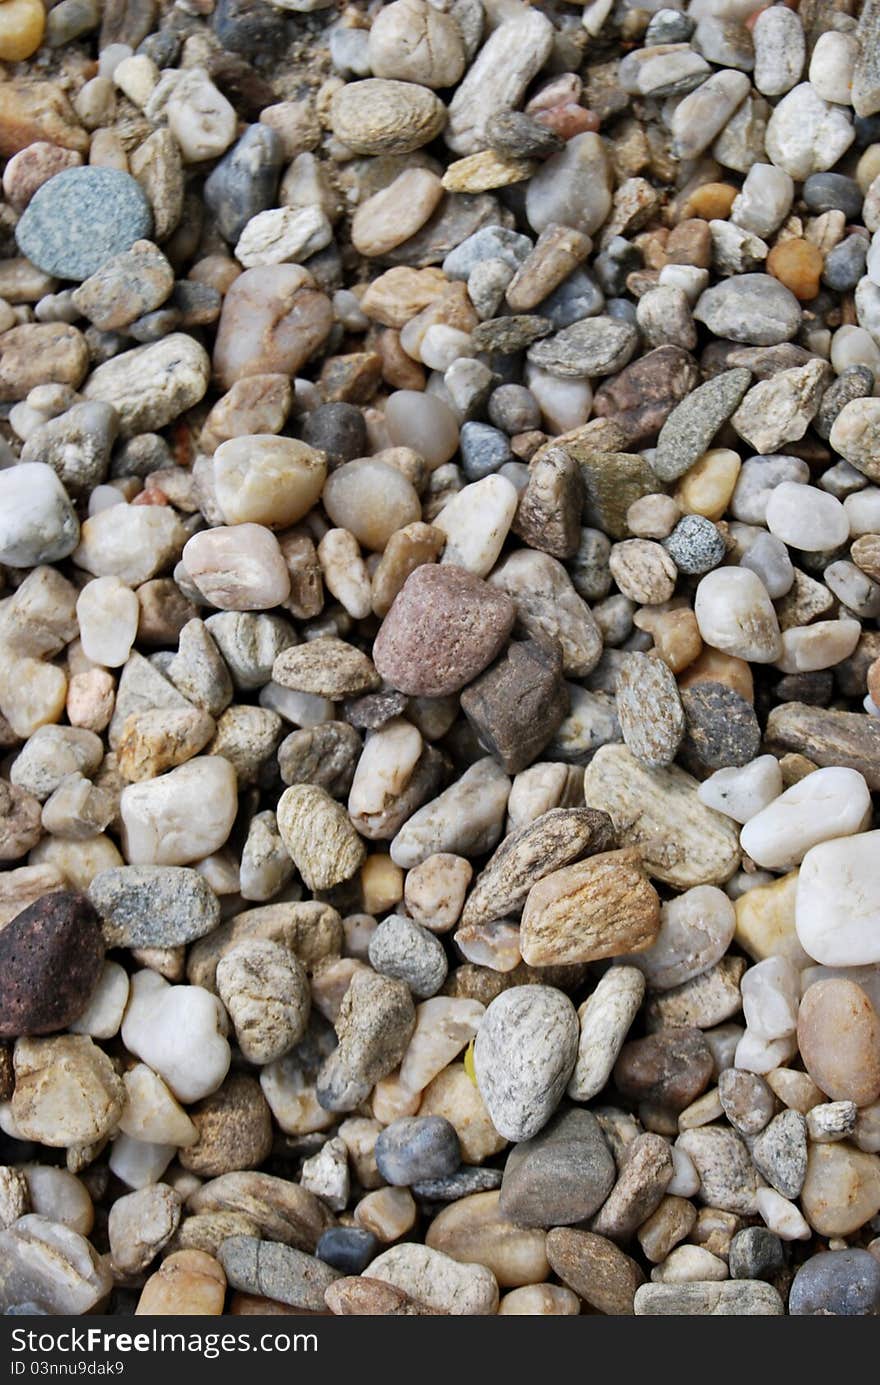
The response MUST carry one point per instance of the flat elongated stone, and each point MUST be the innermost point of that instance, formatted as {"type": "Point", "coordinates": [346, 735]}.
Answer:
{"type": "Point", "coordinates": [692, 424]}
{"type": "Point", "coordinates": [498, 79]}
{"type": "Point", "coordinates": [657, 810]}
{"type": "Point", "coordinates": [733, 1298]}
{"type": "Point", "coordinates": [597, 908]}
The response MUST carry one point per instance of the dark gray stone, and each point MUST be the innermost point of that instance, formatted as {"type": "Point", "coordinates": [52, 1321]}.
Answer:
{"type": "Point", "coordinates": [837, 1284]}
{"type": "Point", "coordinates": [416, 1148]}
{"type": "Point", "coordinates": [756, 1253]}
{"type": "Point", "coordinates": [465, 1181]}
{"type": "Point", "coordinates": [348, 1249]}
{"type": "Point", "coordinates": [560, 1177]}
{"type": "Point", "coordinates": [245, 180]}
{"type": "Point", "coordinates": [483, 449]}
{"type": "Point", "coordinates": [833, 192]}
{"type": "Point", "coordinates": [276, 1271]}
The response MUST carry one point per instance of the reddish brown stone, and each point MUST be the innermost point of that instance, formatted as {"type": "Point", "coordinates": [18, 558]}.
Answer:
{"type": "Point", "coordinates": [670, 1068]}
{"type": "Point", "coordinates": [642, 396]}
{"type": "Point", "coordinates": [51, 956]}
{"type": "Point", "coordinates": [445, 627]}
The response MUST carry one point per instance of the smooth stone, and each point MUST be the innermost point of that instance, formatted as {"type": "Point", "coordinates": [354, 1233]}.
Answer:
{"type": "Point", "coordinates": [181, 816]}
{"type": "Point", "coordinates": [838, 1283]}
{"type": "Point", "coordinates": [752, 308]}
{"type": "Point", "coordinates": [417, 1148]}
{"type": "Point", "coordinates": [82, 217]}
{"type": "Point", "coordinates": [839, 1039]}
{"type": "Point", "coordinates": [730, 1298]}
{"type": "Point", "coordinates": [830, 803]}
{"type": "Point", "coordinates": [840, 927]}
{"type": "Point", "coordinates": [524, 1054]}
{"type": "Point", "coordinates": [561, 1175]}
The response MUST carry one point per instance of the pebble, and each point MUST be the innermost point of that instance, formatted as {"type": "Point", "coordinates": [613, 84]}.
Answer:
{"type": "Point", "coordinates": [417, 1148]}
{"type": "Point", "coordinates": [278, 1272]}
{"type": "Point", "coordinates": [52, 955]}
{"type": "Point", "coordinates": [838, 931]}
{"type": "Point", "coordinates": [780, 1153]}
{"type": "Point", "coordinates": [67, 1091]}
{"type": "Point", "coordinates": [730, 1298]}
{"type": "Point", "coordinates": [374, 1026]}
{"type": "Point", "coordinates": [753, 308]}
{"type": "Point", "coordinates": [561, 1176]}
{"type": "Point", "coordinates": [80, 218]}
{"type": "Point", "coordinates": [839, 1039]}
{"type": "Point", "coordinates": [692, 424]}
{"type": "Point", "coordinates": [38, 523]}
{"type": "Point", "coordinates": [598, 1272]}
{"type": "Point", "coordinates": [525, 1051]}
{"type": "Point", "coordinates": [51, 1269]}
{"type": "Point", "coordinates": [153, 906]}
{"type": "Point", "coordinates": [381, 116]}
{"type": "Point", "coordinates": [405, 950]}
{"type": "Point", "coordinates": [735, 615]}
{"type": "Point", "coordinates": [643, 1180]}
{"type": "Point", "coordinates": [512, 55]}
{"type": "Point", "coordinates": [245, 180]}
{"type": "Point", "coordinates": [434, 1278]}
{"type": "Point", "coordinates": [727, 1175]}
{"type": "Point", "coordinates": [571, 188]}
{"type": "Point", "coordinates": [806, 134]}
{"type": "Point", "coordinates": [596, 908]}
{"type": "Point", "coordinates": [839, 1283]}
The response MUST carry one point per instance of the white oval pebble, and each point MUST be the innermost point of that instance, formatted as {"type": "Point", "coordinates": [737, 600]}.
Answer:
{"type": "Point", "coordinates": [829, 803]}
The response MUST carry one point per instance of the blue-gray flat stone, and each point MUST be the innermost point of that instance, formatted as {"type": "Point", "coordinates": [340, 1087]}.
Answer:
{"type": "Point", "coordinates": [81, 217]}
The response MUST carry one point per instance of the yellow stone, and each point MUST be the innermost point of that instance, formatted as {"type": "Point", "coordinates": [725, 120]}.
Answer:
{"type": "Point", "coordinates": [706, 489]}
{"type": "Point", "coordinates": [22, 24]}
{"type": "Point", "coordinates": [765, 921]}
{"type": "Point", "coordinates": [381, 883]}
{"type": "Point", "coordinates": [486, 170]}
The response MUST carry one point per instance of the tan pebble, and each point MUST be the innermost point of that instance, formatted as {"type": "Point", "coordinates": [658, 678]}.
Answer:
{"type": "Point", "coordinates": [391, 1100]}
{"type": "Point", "coordinates": [676, 635]}
{"type": "Point", "coordinates": [540, 1301]}
{"type": "Point", "coordinates": [189, 1283]}
{"type": "Point", "coordinates": [154, 741]}
{"type": "Point", "coordinates": [474, 1231]}
{"type": "Point", "coordinates": [710, 202]}
{"type": "Point", "coordinates": [841, 1190]}
{"type": "Point", "coordinates": [643, 571]}
{"type": "Point", "coordinates": [839, 1040]}
{"type": "Point", "coordinates": [798, 265]}
{"type": "Point", "coordinates": [381, 883]}
{"type": "Point", "coordinates": [434, 890]}
{"type": "Point", "coordinates": [388, 1212]}
{"type": "Point", "coordinates": [402, 293]}
{"type": "Point", "coordinates": [454, 1095]}
{"type": "Point", "coordinates": [765, 921]}
{"type": "Point", "coordinates": [91, 697]}
{"type": "Point", "coordinates": [600, 907]}
{"type": "Point", "coordinates": [391, 216]}
{"type": "Point", "coordinates": [707, 487]}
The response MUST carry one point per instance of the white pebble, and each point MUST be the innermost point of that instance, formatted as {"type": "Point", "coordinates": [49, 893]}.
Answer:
{"type": "Point", "coordinates": [108, 612]}
{"type": "Point", "coordinates": [181, 816]}
{"type": "Point", "coordinates": [782, 1216]}
{"type": "Point", "coordinates": [180, 1032]}
{"type": "Point", "coordinates": [829, 803]}
{"type": "Point", "coordinates": [837, 908]}
{"type": "Point", "coordinates": [805, 517]}
{"type": "Point", "coordinates": [476, 522]}
{"type": "Point", "coordinates": [741, 792]}
{"type": "Point", "coordinates": [770, 995]}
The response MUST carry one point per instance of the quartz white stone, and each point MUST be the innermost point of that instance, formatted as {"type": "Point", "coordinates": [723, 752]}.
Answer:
{"type": "Point", "coordinates": [780, 1215]}
{"type": "Point", "coordinates": [827, 804]}
{"type": "Point", "coordinates": [564, 404]}
{"type": "Point", "coordinates": [735, 614]}
{"type": "Point", "coordinates": [108, 612]}
{"type": "Point", "coordinates": [476, 522]}
{"type": "Point", "coordinates": [199, 116]}
{"type": "Point", "coordinates": [764, 201]}
{"type": "Point", "coordinates": [832, 66]}
{"type": "Point", "coordinates": [131, 542]}
{"type": "Point", "coordinates": [806, 134]}
{"type": "Point", "coordinates": [139, 1164]}
{"type": "Point", "coordinates": [837, 908]}
{"type": "Point", "coordinates": [444, 1026]}
{"type": "Point", "coordinates": [771, 995]}
{"type": "Point", "coordinates": [38, 523]}
{"type": "Point", "coordinates": [806, 518]}
{"type": "Point", "coordinates": [103, 1015]}
{"type": "Point", "coordinates": [385, 767]}
{"type": "Point", "coordinates": [754, 1054]}
{"type": "Point", "coordinates": [823, 644]}
{"type": "Point", "coordinates": [151, 1114]}
{"type": "Point", "coordinates": [180, 1032]}
{"type": "Point", "coordinates": [742, 792]}
{"type": "Point", "coordinates": [181, 816]}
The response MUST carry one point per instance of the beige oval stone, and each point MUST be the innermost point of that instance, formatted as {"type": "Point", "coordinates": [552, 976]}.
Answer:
{"type": "Point", "coordinates": [839, 1039]}
{"type": "Point", "coordinates": [264, 479]}
{"type": "Point", "coordinates": [474, 1231]}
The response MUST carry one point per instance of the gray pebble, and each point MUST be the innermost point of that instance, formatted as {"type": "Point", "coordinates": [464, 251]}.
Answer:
{"type": "Point", "coordinates": [560, 1177]}
{"type": "Point", "coordinates": [838, 1284]}
{"type": "Point", "coordinates": [82, 217]}
{"type": "Point", "coordinates": [153, 906]}
{"type": "Point", "coordinates": [780, 1153]}
{"type": "Point", "coordinates": [403, 949]}
{"type": "Point", "coordinates": [752, 308]}
{"type": "Point", "coordinates": [594, 346]}
{"type": "Point", "coordinates": [722, 729]}
{"type": "Point", "coordinates": [577, 297]}
{"type": "Point", "coordinates": [416, 1148]}
{"type": "Point", "coordinates": [829, 192]}
{"type": "Point", "coordinates": [513, 409]}
{"type": "Point", "coordinates": [489, 243]}
{"type": "Point", "coordinates": [245, 180]}
{"type": "Point", "coordinates": [524, 1054]}
{"type": "Point", "coordinates": [692, 424]}
{"type": "Point", "coordinates": [729, 1298]}
{"type": "Point", "coordinates": [518, 136]}
{"type": "Point", "coordinates": [756, 1253]}
{"type": "Point", "coordinates": [768, 556]}
{"type": "Point", "coordinates": [757, 480]}
{"type": "Point", "coordinates": [250, 642]}
{"type": "Point", "coordinates": [483, 449]}
{"type": "Point", "coordinates": [856, 382]}
{"type": "Point", "coordinates": [746, 1100]}
{"type": "Point", "coordinates": [76, 445]}
{"type": "Point", "coordinates": [845, 263]}
{"type": "Point", "coordinates": [695, 545]}
{"type": "Point", "coordinates": [276, 1271]}
{"type": "Point", "coordinates": [325, 755]}
{"type": "Point", "coordinates": [463, 1183]}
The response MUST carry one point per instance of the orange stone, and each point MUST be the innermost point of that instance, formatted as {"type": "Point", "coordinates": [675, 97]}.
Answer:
{"type": "Point", "coordinates": [711, 202]}
{"type": "Point", "coordinates": [798, 265]}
